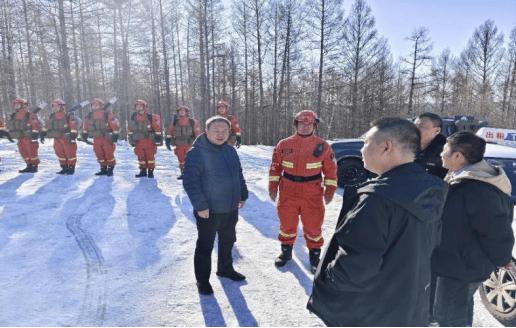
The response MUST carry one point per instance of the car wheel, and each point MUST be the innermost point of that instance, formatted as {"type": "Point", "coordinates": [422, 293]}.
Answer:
{"type": "Point", "coordinates": [498, 294]}
{"type": "Point", "coordinates": [351, 172]}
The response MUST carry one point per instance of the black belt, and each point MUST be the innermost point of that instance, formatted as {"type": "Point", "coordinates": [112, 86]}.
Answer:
{"type": "Point", "coordinates": [296, 178]}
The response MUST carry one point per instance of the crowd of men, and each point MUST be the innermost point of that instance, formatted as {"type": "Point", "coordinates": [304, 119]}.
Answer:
{"type": "Point", "coordinates": [411, 245]}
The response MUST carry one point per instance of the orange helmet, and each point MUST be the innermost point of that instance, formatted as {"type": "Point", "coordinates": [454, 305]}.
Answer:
{"type": "Point", "coordinates": [98, 102]}
{"type": "Point", "coordinates": [58, 102]}
{"type": "Point", "coordinates": [141, 102]}
{"type": "Point", "coordinates": [20, 101]}
{"type": "Point", "coordinates": [306, 115]}
{"type": "Point", "coordinates": [183, 107]}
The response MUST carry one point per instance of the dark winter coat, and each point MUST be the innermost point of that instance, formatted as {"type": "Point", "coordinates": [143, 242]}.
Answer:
{"type": "Point", "coordinates": [213, 177]}
{"type": "Point", "coordinates": [430, 157]}
{"type": "Point", "coordinates": [376, 269]}
{"type": "Point", "coordinates": [476, 234]}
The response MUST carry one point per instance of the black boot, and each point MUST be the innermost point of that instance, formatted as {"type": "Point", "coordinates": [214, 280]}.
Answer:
{"type": "Point", "coordinates": [71, 169]}
{"type": "Point", "coordinates": [109, 172]}
{"type": "Point", "coordinates": [150, 174]}
{"type": "Point", "coordinates": [64, 169]}
{"type": "Point", "coordinates": [181, 176]}
{"type": "Point", "coordinates": [27, 169]}
{"type": "Point", "coordinates": [34, 169]}
{"type": "Point", "coordinates": [314, 255]}
{"type": "Point", "coordinates": [285, 256]}
{"type": "Point", "coordinates": [103, 171]}
{"type": "Point", "coordinates": [143, 173]}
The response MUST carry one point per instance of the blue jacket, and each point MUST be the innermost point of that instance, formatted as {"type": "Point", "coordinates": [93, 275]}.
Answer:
{"type": "Point", "coordinates": [213, 177]}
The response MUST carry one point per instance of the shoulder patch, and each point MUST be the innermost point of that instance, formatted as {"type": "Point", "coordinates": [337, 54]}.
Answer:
{"type": "Point", "coordinates": [287, 151]}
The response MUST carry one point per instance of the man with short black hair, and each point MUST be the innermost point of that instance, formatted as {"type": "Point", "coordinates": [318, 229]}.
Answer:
{"type": "Point", "coordinates": [477, 236]}
{"type": "Point", "coordinates": [432, 142]}
{"type": "Point", "coordinates": [216, 187]}
{"type": "Point", "coordinates": [376, 269]}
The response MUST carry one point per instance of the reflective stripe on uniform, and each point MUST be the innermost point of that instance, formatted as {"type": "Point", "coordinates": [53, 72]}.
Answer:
{"type": "Point", "coordinates": [151, 162]}
{"type": "Point", "coordinates": [287, 235]}
{"type": "Point", "coordinates": [313, 165]}
{"type": "Point", "coordinates": [274, 178]}
{"type": "Point", "coordinates": [316, 239]}
{"type": "Point", "coordinates": [290, 165]}
{"type": "Point", "coordinates": [330, 182]}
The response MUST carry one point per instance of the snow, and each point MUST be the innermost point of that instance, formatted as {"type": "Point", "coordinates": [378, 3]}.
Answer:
{"type": "Point", "coordinates": [84, 250]}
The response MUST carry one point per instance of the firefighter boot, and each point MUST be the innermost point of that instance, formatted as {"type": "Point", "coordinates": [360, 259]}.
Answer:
{"type": "Point", "coordinates": [109, 172]}
{"type": "Point", "coordinates": [150, 174]}
{"type": "Point", "coordinates": [27, 169]}
{"type": "Point", "coordinates": [314, 255]}
{"type": "Point", "coordinates": [143, 173]}
{"type": "Point", "coordinates": [33, 168]}
{"type": "Point", "coordinates": [103, 171]}
{"type": "Point", "coordinates": [64, 169]}
{"type": "Point", "coordinates": [285, 256]}
{"type": "Point", "coordinates": [180, 177]}
{"type": "Point", "coordinates": [71, 169]}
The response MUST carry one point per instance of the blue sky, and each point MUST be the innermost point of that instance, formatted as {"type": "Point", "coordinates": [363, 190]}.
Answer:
{"type": "Point", "coordinates": [451, 23]}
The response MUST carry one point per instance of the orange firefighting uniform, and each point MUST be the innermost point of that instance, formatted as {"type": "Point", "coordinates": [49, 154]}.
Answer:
{"type": "Point", "coordinates": [293, 159]}
{"type": "Point", "coordinates": [236, 131]}
{"type": "Point", "coordinates": [63, 128]}
{"type": "Point", "coordinates": [101, 126]}
{"type": "Point", "coordinates": [25, 126]}
{"type": "Point", "coordinates": [142, 130]}
{"type": "Point", "coordinates": [183, 134]}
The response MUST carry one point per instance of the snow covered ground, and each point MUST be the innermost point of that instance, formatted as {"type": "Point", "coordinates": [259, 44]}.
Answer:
{"type": "Point", "coordinates": [84, 250]}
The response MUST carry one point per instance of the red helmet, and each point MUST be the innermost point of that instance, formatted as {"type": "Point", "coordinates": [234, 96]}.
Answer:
{"type": "Point", "coordinates": [183, 107]}
{"type": "Point", "coordinates": [222, 103]}
{"type": "Point", "coordinates": [98, 102]}
{"type": "Point", "coordinates": [141, 102]}
{"type": "Point", "coordinates": [58, 102]}
{"type": "Point", "coordinates": [306, 115]}
{"type": "Point", "coordinates": [19, 100]}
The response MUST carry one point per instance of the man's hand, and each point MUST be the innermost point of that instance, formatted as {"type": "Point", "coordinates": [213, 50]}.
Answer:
{"type": "Point", "coordinates": [508, 266]}
{"type": "Point", "coordinates": [167, 143]}
{"type": "Point", "coordinates": [204, 214]}
{"type": "Point", "coordinates": [273, 194]}
{"type": "Point", "coordinates": [328, 198]}
{"type": "Point", "coordinates": [238, 142]}
{"type": "Point", "coordinates": [241, 204]}
{"type": "Point", "coordinates": [157, 139]}
{"type": "Point", "coordinates": [114, 138]}
{"type": "Point", "coordinates": [42, 137]}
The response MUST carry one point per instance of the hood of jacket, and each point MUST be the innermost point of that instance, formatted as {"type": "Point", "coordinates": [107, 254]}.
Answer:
{"type": "Point", "coordinates": [412, 188]}
{"type": "Point", "coordinates": [483, 171]}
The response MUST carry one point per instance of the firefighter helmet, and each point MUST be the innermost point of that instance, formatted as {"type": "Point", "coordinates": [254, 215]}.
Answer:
{"type": "Point", "coordinates": [58, 102]}
{"type": "Point", "coordinates": [187, 111]}
{"type": "Point", "coordinates": [222, 103]}
{"type": "Point", "coordinates": [20, 101]}
{"type": "Point", "coordinates": [98, 102]}
{"type": "Point", "coordinates": [141, 102]}
{"type": "Point", "coordinates": [306, 115]}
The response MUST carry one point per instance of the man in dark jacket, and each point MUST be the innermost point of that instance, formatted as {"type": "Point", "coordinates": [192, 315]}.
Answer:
{"type": "Point", "coordinates": [216, 187]}
{"type": "Point", "coordinates": [376, 269]}
{"type": "Point", "coordinates": [477, 235]}
{"type": "Point", "coordinates": [432, 142]}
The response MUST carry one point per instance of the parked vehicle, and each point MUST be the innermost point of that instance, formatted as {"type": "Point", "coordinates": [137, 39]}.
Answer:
{"type": "Point", "coordinates": [498, 293]}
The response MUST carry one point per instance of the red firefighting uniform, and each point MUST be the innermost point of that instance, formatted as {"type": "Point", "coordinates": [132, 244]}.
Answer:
{"type": "Point", "coordinates": [25, 126]}
{"type": "Point", "coordinates": [236, 131]}
{"type": "Point", "coordinates": [2, 129]}
{"type": "Point", "coordinates": [183, 134]}
{"type": "Point", "coordinates": [101, 126]}
{"type": "Point", "coordinates": [142, 130]}
{"type": "Point", "coordinates": [293, 159]}
{"type": "Point", "coordinates": [63, 128]}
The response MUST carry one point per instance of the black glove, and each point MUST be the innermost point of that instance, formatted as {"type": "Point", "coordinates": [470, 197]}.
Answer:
{"type": "Point", "coordinates": [9, 137]}
{"type": "Point", "coordinates": [42, 137]}
{"type": "Point", "coordinates": [239, 142]}
{"type": "Point", "coordinates": [34, 136]}
{"type": "Point", "coordinates": [167, 143]}
{"type": "Point", "coordinates": [84, 136]}
{"type": "Point", "coordinates": [158, 139]}
{"type": "Point", "coordinates": [114, 138]}
{"type": "Point", "coordinates": [73, 135]}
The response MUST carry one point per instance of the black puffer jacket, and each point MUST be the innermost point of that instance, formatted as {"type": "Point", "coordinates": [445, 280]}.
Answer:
{"type": "Point", "coordinates": [476, 235]}
{"type": "Point", "coordinates": [430, 157]}
{"type": "Point", "coordinates": [376, 269]}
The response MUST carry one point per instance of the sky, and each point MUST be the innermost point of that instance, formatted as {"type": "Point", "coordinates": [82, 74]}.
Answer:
{"type": "Point", "coordinates": [451, 23]}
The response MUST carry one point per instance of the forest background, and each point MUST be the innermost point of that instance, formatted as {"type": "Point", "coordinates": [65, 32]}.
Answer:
{"type": "Point", "coordinates": [267, 59]}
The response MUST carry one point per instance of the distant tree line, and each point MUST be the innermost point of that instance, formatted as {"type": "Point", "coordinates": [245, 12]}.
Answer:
{"type": "Point", "coordinates": [267, 58]}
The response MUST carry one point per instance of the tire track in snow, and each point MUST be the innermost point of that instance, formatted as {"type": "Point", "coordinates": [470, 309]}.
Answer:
{"type": "Point", "coordinates": [94, 301]}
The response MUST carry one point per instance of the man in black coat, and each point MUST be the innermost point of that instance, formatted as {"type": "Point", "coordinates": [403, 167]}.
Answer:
{"type": "Point", "coordinates": [477, 235]}
{"type": "Point", "coordinates": [376, 269]}
{"type": "Point", "coordinates": [432, 142]}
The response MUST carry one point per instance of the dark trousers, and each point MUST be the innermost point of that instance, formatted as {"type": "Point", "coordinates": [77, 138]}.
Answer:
{"type": "Point", "coordinates": [453, 306]}
{"type": "Point", "coordinates": [224, 224]}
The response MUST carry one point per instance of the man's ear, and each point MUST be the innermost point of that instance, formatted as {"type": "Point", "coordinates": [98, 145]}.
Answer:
{"type": "Point", "coordinates": [387, 146]}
